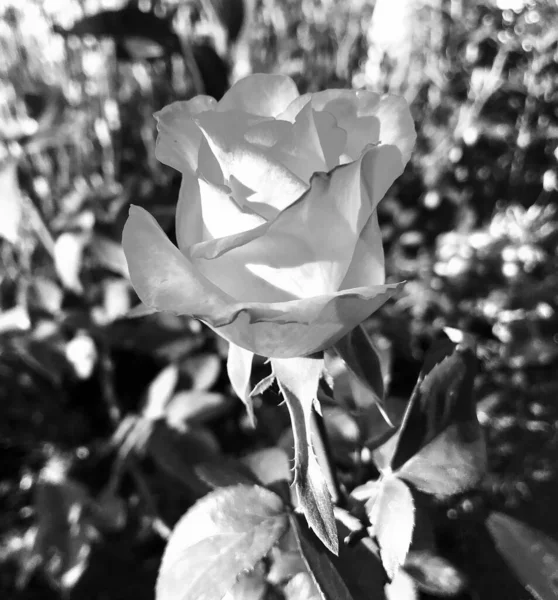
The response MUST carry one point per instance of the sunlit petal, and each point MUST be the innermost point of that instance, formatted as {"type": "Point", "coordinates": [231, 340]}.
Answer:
{"type": "Point", "coordinates": [179, 137]}
{"type": "Point", "coordinates": [260, 94]}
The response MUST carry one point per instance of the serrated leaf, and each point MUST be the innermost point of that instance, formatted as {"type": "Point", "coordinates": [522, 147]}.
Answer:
{"type": "Point", "coordinates": [434, 575]}
{"type": "Point", "coordinates": [160, 391]}
{"type": "Point", "coordinates": [358, 562]}
{"type": "Point", "coordinates": [269, 465]}
{"type": "Point", "coordinates": [220, 537]}
{"type": "Point", "coordinates": [239, 370]}
{"type": "Point", "coordinates": [439, 447]}
{"type": "Point", "coordinates": [362, 359]}
{"type": "Point", "coordinates": [391, 511]}
{"type": "Point", "coordinates": [532, 556]}
{"type": "Point", "coordinates": [401, 588]}
{"type": "Point", "coordinates": [263, 385]}
{"type": "Point", "coordinates": [298, 380]}
{"type": "Point", "coordinates": [250, 586]}
{"type": "Point", "coordinates": [11, 205]}
{"type": "Point", "coordinates": [329, 583]}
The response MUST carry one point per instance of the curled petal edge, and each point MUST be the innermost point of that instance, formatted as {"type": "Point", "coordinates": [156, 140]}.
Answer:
{"type": "Point", "coordinates": [167, 280]}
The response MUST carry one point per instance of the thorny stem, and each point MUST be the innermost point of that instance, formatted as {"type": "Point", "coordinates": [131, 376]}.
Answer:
{"type": "Point", "coordinates": [320, 442]}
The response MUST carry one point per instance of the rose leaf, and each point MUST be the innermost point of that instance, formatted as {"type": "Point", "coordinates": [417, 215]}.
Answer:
{"type": "Point", "coordinates": [439, 447]}
{"type": "Point", "coordinates": [362, 360]}
{"type": "Point", "coordinates": [391, 511]}
{"type": "Point", "coordinates": [223, 535]}
{"type": "Point", "coordinates": [325, 575]}
{"type": "Point", "coordinates": [532, 556]}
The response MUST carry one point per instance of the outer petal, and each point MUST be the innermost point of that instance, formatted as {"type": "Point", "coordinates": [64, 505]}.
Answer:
{"type": "Point", "coordinates": [179, 137]}
{"type": "Point", "coordinates": [367, 117]}
{"type": "Point", "coordinates": [260, 94]}
{"type": "Point", "coordinates": [367, 264]}
{"type": "Point", "coordinates": [307, 250]}
{"type": "Point", "coordinates": [165, 279]}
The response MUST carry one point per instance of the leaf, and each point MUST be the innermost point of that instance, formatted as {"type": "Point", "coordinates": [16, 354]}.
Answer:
{"type": "Point", "coordinates": [433, 574]}
{"type": "Point", "coordinates": [391, 511]}
{"type": "Point", "coordinates": [532, 556]}
{"type": "Point", "coordinates": [358, 562]}
{"type": "Point", "coordinates": [109, 254]}
{"type": "Point", "coordinates": [203, 369]}
{"type": "Point", "coordinates": [401, 588]}
{"type": "Point", "coordinates": [269, 465]}
{"type": "Point", "coordinates": [63, 539]}
{"type": "Point", "coordinates": [302, 586]}
{"type": "Point", "coordinates": [439, 447]}
{"type": "Point", "coordinates": [250, 586]}
{"type": "Point", "coordinates": [195, 407]}
{"type": "Point", "coordinates": [362, 359]}
{"type": "Point", "coordinates": [298, 380]}
{"type": "Point", "coordinates": [68, 253]}
{"type": "Point", "coordinates": [11, 202]}
{"type": "Point", "coordinates": [239, 369]}
{"type": "Point", "coordinates": [224, 534]}
{"type": "Point", "coordinates": [176, 452]}
{"type": "Point", "coordinates": [159, 392]}
{"type": "Point", "coordinates": [225, 472]}
{"type": "Point", "coordinates": [263, 385]}
{"type": "Point", "coordinates": [325, 575]}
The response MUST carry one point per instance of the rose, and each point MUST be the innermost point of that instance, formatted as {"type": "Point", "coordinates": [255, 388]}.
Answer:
{"type": "Point", "coordinates": [279, 248]}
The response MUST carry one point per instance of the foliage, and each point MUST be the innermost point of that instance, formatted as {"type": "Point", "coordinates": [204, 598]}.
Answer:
{"type": "Point", "coordinates": [121, 432]}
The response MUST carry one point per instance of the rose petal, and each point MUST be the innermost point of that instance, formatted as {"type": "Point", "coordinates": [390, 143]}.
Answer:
{"type": "Point", "coordinates": [251, 165]}
{"type": "Point", "coordinates": [306, 326]}
{"type": "Point", "coordinates": [308, 249]}
{"type": "Point", "coordinates": [161, 274]}
{"type": "Point", "coordinates": [165, 279]}
{"type": "Point", "coordinates": [179, 137]}
{"type": "Point", "coordinates": [260, 94]}
{"type": "Point", "coordinates": [367, 117]}
{"type": "Point", "coordinates": [221, 215]}
{"type": "Point", "coordinates": [189, 225]}
{"type": "Point", "coordinates": [367, 264]}
{"type": "Point", "coordinates": [300, 149]}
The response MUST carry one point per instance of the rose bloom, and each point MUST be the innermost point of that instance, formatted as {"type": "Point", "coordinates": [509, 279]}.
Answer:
{"type": "Point", "coordinates": [279, 248]}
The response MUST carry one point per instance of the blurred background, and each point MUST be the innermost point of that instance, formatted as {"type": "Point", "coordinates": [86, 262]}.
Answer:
{"type": "Point", "coordinates": [102, 416]}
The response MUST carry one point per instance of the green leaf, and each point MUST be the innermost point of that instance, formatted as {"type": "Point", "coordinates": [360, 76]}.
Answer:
{"type": "Point", "coordinates": [269, 465]}
{"type": "Point", "coordinates": [433, 574]}
{"type": "Point", "coordinates": [176, 452]}
{"type": "Point", "coordinates": [358, 562]}
{"type": "Point", "coordinates": [224, 472]}
{"type": "Point", "coordinates": [439, 447]}
{"type": "Point", "coordinates": [223, 535]}
{"type": "Point", "coordinates": [298, 380]}
{"type": "Point", "coordinates": [325, 575]}
{"type": "Point", "coordinates": [391, 511]}
{"type": "Point", "coordinates": [160, 392]}
{"type": "Point", "coordinates": [532, 556]}
{"type": "Point", "coordinates": [362, 359]}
